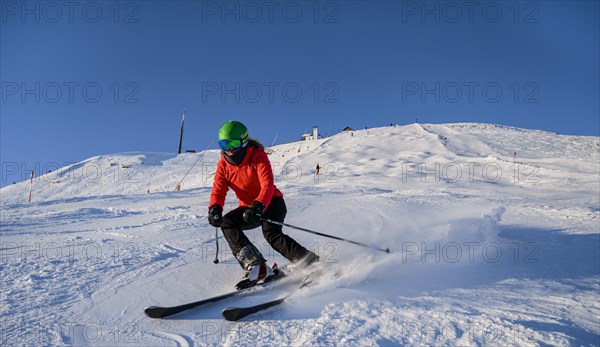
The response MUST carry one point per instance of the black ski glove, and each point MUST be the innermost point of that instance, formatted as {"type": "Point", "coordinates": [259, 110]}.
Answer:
{"type": "Point", "coordinates": [253, 213]}
{"type": "Point", "coordinates": [215, 215]}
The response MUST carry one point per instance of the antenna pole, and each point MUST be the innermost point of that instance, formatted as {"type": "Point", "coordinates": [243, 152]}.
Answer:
{"type": "Point", "coordinates": [181, 131]}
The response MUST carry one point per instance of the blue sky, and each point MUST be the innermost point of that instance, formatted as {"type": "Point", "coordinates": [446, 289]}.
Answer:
{"type": "Point", "coordinates": [81, 79]}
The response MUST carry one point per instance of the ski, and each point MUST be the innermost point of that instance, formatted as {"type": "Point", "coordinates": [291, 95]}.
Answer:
{"type": "Point", "coordinates": [237, 313]}
{"type": "Point", "coordinates": [162, 311]}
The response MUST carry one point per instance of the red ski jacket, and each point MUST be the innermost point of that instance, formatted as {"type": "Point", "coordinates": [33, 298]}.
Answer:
{"type": "Point", "coordinates": [251, 181]}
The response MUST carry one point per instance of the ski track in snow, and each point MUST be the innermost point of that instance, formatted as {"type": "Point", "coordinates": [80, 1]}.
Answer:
{"type": "Point", "coordinates": [487, 248]}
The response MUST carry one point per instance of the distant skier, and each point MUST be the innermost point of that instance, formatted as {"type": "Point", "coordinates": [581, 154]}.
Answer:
{"type": "Point", "coordinates": [245, 168]}
{"type": "Point", "coordinates": [317, 169]}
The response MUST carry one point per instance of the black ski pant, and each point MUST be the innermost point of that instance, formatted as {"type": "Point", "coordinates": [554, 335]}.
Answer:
{"type": "Point", "coordinates": [233, 226]}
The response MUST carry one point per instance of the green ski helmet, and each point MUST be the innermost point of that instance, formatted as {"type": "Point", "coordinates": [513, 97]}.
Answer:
{"type": "Point", "coordinates": [233, 135]}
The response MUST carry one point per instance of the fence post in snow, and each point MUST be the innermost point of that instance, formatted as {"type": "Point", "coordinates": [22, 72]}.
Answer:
{"type": "Point", "coordinates": [31, 184]}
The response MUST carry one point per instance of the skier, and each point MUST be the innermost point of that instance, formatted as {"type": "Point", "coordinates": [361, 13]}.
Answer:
{"type": "Point", "coordinates": [317, 169]}
{"type": "Point", "coordinates": [245, 168]}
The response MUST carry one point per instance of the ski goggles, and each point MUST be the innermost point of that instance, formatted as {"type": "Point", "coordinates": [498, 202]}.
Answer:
{"type": "Point", "coordinates": [230, 144]}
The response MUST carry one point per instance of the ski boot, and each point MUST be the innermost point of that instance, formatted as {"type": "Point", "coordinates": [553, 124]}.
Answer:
{"type": "Point", "coordinates": [258, 274]}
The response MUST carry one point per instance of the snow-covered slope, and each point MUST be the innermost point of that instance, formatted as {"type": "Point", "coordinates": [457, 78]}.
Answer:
{"type": "Point", "coordinates": [494, 235]}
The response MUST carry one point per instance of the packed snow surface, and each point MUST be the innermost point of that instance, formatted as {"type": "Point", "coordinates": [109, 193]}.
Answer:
{"type": "Point", "coordinates": [493, 233]}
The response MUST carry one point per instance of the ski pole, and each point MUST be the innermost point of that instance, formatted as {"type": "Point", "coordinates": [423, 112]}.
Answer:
{"type": "Point", "coordinates": [387, 250]}
{"type": "Point", "coordinates": [216, 261]}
